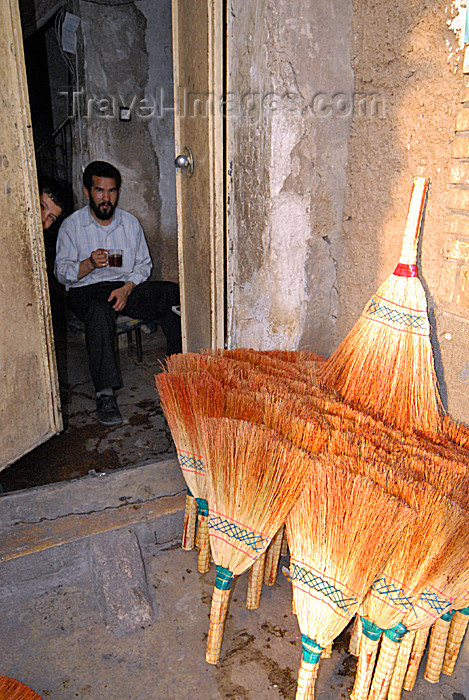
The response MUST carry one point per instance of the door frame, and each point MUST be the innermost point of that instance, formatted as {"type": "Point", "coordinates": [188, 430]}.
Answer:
{"type": "Point", "coordinates": [216, 73]}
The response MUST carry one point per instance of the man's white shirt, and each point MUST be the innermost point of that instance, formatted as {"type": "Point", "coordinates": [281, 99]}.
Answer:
{"type": "Point", "coordinates": [80, 234]}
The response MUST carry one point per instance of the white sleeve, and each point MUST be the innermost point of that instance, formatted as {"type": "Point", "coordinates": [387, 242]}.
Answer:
{"type": "Point", "coordinates": [66, 259]}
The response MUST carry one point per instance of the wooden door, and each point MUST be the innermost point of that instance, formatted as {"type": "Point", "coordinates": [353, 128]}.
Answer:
{"type": "Point", "coordinates": [198, 88]}
{"type": "Point", "coordinates": [29, 403]}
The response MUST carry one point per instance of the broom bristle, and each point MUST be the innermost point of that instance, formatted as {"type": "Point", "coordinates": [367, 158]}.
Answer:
{"type": "Point", "coordinates": [253, 479]}
{"type": "Point", "coordinates": [409, 568]}
{"type": "Point", "coordinates": [385, 363]}
{"type": "Point", "coordinates": [186, 398]}
{"type": "Point", "coordinates": [11, 689]}
{"type": "Point", "coordinates": [386, 369]}
{"type": "Point", "coordinates": [339, 534]}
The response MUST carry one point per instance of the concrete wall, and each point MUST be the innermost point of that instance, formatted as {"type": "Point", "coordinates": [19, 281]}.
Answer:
{"type": "Point", "coordinates": [287, 156]}
{"type": "Point", "coordinates": [128, 61]}
{"type": "Point", "coordinates": [318, 195]}
{"type": "Point", "coordinates": [414, 62]}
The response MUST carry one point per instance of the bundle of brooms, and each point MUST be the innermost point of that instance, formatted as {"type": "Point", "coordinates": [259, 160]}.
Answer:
{"type": "Point", "coordinates": [441, 596]}
{"type": "Point", "coordinates": [247, 354]}
{"type": "Point", "coordinates": [340, 534]}
{"type": "Point", "coordinates": [442, 573]}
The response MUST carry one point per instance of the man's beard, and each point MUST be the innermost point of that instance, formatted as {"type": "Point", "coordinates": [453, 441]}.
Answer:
{"type": "Point", "coordinates": [102, 213]}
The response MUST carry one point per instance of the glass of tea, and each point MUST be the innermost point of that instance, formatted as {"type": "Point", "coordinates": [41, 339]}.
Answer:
{"type": "Point", "coordinates": [114, 257]}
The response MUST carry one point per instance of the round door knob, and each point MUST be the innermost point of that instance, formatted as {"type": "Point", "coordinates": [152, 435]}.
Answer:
{"type": "Point", "coordinates": [184, 161]}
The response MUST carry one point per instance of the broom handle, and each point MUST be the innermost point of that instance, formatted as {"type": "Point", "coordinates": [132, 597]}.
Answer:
{"type": "Point", "coordinates": [456, 635]}
{"type": "Point", "coordinates": [414, 218]}
{"type": "Point", "coordinates": [418, 649]}
{"type": "Point", "coordinates": [384, 668]}
{"type": "Point", "coordinates": [355, 637]}
{"type": "Point", "coordinates": [190, 519]}
{"type": "Point", "coordinates": [203, 542]}
{"type": "Point", "coordinates": [284, 549]}
{"type": "Point", "coordinates": [272, 558]}
{"type": "Point", "coordinates": [366, 663]}
{"type": "Point", "coordinates": [217, 623]}
{"type": "Point", "coordinates": [437, 647]}
{"type": "Point", "coordinates": [256, 580]}
{"type": "Point", "coordinates": [306, 680]}
{"type": "Point", "coordinates": [402, 661]}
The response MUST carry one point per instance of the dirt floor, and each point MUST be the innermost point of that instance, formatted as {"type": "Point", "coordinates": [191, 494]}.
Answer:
{"type": "Point", "coordinates": [58, 643]}
{"type": "Point", "coordinates": [85, 445]}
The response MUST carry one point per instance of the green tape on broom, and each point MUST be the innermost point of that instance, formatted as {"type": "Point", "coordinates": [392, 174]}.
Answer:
{"type": "Point", "coordinates": [371, 630]}
{"type": "Point", "coordinates": [397, 633]}
{"type": "Point", "coordinates": [224, 578]}
{"type": "Point", "coordinates": [202, 506]}
{"type": "Point", "coordinates": [311, 651]}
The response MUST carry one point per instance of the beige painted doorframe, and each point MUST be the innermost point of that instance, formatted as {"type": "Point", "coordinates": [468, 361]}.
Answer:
{"type": "Point", "coordinates": [198, 35]}
{"type": "Point", "coordinates": [29, 396]}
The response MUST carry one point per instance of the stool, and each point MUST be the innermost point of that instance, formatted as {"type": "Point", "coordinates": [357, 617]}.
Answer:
{"type": "Point", "coordinates": [124, 325]}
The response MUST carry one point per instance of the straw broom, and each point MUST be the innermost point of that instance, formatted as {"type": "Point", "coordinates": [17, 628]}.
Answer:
{"type": "Point", "coordinates": [455, 637]}
{"type": "Point", "coordinates": [190, 522]}
{"type": "Point", "coordinates": [355, 637]}
{"type": "Point", "coordinates": [456, 632]}
{"type": "Point", "coordinates": [418, 649]}
{"type": "Point", "coordinates": [437, 647]}
{"type": "Point", "coordinates": [403, 578]}
{"type": "Point", "coordinates": [253, 479]}
{"type": "Point", "coordinates": [11, 689]}
{"type": "Point", "coordinates": [385, 363]}
{"type": "Point", "coordinates": [339, 538]}
{"type": "Point", "coordinates": [256, 579]}
{"type": "Point", "coordinates": [441, 577]}
{"type": "Point", "coordinates": [400, 668]}
{"type": "Point", "coordinates": [176, 364]}
{"type": "Point", "coordinates": [420, 643]}
{"type": "Point", "coordinates": [440, 630]}
{"type": "Point", "coordinates": [185, 399]}
{"type": "Point", "coordinates": [273, 558]}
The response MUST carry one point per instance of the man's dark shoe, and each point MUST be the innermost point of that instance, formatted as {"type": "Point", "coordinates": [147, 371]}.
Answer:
{"type": "Point", "coordinates": [107, 411]}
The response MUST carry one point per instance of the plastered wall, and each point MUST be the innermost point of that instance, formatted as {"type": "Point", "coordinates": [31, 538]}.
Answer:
{"type": "Point", "coordinates": [318, 196]}
{"type": "Point", "coordinates": [127, 61]}
{"type": "Point", "coordinates": [287, 143]}
{"type": "Point", "coordinates": [415, 63]}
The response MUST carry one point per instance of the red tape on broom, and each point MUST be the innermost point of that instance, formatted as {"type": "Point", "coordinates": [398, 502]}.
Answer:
{"type": "Point", "coordinates": [403, 270]}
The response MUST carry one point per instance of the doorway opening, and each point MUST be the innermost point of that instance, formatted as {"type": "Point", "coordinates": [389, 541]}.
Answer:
{"type": "Point", "coordinates": [86, 446]}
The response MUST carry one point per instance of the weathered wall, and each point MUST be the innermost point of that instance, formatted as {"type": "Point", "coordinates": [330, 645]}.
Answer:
{"type": "Point", "coordinates": [414, 63]}
{"type": "Point", "coordinates": [34, 13]}
{"type": "Point", "coordinates": [128, 61]}
{"type": "Point", "coordinates": [287, 153]}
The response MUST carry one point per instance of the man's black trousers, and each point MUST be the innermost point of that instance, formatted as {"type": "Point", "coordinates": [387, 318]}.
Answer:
{"type": "Point", "coordinates": [149, 301]}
